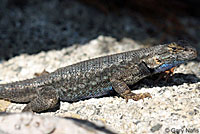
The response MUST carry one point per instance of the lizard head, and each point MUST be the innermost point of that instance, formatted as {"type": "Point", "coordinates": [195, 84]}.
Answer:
{"type": "Point", "coordinates": [171, 55]}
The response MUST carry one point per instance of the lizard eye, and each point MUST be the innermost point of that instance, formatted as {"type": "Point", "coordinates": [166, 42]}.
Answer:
{"type": "Point", "coordinates": [173, 48]}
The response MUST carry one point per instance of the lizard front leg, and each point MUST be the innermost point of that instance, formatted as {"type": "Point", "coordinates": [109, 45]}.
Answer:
{"type": "Point", "coordinates": [46, 98]}
{"type": "Point", "coordinates": [130, 76]}
{"type": "Point", "coordinates": [123, 90]}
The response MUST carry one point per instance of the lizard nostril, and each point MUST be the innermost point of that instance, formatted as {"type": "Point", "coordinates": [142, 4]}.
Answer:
{"type": "Point", "coordinates": [192, 51]}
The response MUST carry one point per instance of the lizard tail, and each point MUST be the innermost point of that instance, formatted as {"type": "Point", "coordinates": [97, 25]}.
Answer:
{"type": "Point", "coordinates": [15, 94]}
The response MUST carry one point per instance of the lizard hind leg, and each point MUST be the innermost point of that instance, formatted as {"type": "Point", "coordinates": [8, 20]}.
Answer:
{"type": "Point", "coordinates": [47, 98]}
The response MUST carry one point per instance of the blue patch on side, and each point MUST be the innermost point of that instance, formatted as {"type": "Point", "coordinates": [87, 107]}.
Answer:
{"type": "Point", "coordinates": [165, 67]}
{"type": "Point", "coordinates": [108, 88]}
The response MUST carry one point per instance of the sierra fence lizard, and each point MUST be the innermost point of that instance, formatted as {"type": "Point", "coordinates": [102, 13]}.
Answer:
{"type": "Point", "coordinates": [97, 77]}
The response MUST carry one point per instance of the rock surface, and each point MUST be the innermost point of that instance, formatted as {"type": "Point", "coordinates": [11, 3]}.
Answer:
{"type": "Point", "coordinates": [28, 123]}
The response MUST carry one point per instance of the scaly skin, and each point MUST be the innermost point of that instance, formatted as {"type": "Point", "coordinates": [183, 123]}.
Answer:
{"type": "Point", "coordinates": [97, 77]}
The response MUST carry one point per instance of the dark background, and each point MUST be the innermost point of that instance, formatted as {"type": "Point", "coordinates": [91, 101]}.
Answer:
{"type": "Point", "coordinates": [32, 26]}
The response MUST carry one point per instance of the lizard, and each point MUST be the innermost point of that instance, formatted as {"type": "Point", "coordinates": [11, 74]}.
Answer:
{"type": "Point", "coordinates": [98, 77]}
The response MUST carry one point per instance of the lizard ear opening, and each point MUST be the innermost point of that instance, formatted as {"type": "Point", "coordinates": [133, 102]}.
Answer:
{"type": "Point", "coordinates": [157, 61]}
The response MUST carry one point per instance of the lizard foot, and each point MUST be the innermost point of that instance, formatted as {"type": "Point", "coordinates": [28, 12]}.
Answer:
{"type": "Point", "coordinates": [129, 95]}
